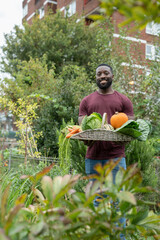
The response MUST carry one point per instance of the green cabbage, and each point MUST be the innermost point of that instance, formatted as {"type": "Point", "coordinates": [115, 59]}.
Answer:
{"type": "Point", "coordinates": [92, 121]}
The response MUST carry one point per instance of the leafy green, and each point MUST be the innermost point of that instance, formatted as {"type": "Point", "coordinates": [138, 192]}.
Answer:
{"type": "Point", "coordinates": [144, 128]}
{"type": "Point", "coordinates": [130, 131]}
{"type": "Point", "coordinates": [97, 115]}
{"type": "Point", "coordinates": [92, 121]}
{"type": "Point", "coordinates": [130, 128]}
{"type": "Point", "coordinates": [138, 129]}
{"type": "Point", "coordinates": [129, 124]}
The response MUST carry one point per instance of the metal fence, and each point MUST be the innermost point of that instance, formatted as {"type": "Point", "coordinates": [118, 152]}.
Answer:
{"type": "Point", "coordinates": [14, 160]}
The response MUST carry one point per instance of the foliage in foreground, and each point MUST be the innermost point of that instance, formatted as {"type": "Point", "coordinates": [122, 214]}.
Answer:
{"type": "Point", "coordinates": [141, 11]}
{"type": "Point", "coordinates": [60, 212]}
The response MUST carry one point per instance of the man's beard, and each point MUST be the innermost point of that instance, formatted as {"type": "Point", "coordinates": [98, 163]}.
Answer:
{"type": "Point", "coordinates": [106, 85]}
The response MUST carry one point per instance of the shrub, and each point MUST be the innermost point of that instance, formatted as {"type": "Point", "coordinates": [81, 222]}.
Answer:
{"type": "Point", "coordinates": [143, 154]}
{"type": "Point", "coordinates": [60, 212]}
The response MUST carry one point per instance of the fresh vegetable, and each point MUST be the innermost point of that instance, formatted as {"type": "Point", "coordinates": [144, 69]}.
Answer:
{"type": "Point", "coordinates": [73, 130]}
{"type": "Point", "coordinates": [118, 119]}
{"type": "Point", "coordinates": [108, 127]}
{"type": "Point", "coordinates": [138, 129]}
{"type": "Point", "coordinates": [92, 121]}
{"type": "Point", "coordinates": [144, 128]}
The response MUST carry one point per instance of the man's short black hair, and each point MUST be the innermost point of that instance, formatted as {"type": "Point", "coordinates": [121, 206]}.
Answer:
{"type": "Point", "coordinates": [104, 64]}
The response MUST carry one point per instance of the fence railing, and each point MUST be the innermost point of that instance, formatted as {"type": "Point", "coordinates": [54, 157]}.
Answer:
{"type": "Point", "coordinates": [14, 160]}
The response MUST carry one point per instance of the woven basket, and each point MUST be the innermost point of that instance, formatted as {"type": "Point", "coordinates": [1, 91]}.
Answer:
{"type": "Point", "coordinates": [102, 134]}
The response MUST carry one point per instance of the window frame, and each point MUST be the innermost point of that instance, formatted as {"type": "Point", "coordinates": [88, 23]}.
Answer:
{"type": "Point", "coordinates": [25, 10]}
{"type": "Point", "coordinates": [153, 28]}
{"type": "Point", "coordinates": [41, 12]}
{"type": "Point", "coordinates": [70, 9]}
{"type": "Point", "coordinates": [149, 56]}
{"type": "Point", "coordinates": [153, 56]}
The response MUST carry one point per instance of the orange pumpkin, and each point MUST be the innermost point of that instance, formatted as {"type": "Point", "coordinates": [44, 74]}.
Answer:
{"type": "Point", "coordinates": [118, 119]}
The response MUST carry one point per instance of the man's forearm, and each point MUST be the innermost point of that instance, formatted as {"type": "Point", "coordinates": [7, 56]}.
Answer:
{"type": "Point", "coordinates": [80, 119]}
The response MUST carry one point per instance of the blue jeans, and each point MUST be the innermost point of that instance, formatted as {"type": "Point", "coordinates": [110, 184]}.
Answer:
{"type": "Point", "coordinates": [89, 169]}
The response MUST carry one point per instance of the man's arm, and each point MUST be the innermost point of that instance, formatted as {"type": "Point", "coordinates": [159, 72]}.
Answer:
{"type": "Point", "coordinates": [80, 119]}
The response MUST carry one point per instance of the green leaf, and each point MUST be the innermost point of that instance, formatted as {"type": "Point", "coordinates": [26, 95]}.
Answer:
{"type": "Point", "coordinates": [47, 186]}
{"type": "Point", "coordinates": [130, 132]}
{"type": "Point", "coordinates": [21, 199]}
{"type": "Point", "coordinates": [97, 115]}
{"type": "Point", "coordinates": [129, 124]}
{"type": "Point", "coordinates": [92, 121]}
{"type": "Point", "coordinates": [11, 216]}
{"type": "Point", "coordinates": [140, 215]}
{"type": "Point", "coordinates": [43, 172]}
{"type": "Point", "coordinates": [144, 128]}
{"type": "Point", "coordinates": [59, 183]}
{"type": "Point", "coordinates": [2, 235]}
{"type": "Point", "coordinates": [4, 202]}
{"type": "Point", "coordinates": [127, 197]}
{"type": "Point", "coordinates": [39, 195]}
{"type": "Point", "coordinates": [38, 228]}
{"type": "Point", "coordinates": [83, 124]}
{"type": "Point", "coordinates": [130, 128]}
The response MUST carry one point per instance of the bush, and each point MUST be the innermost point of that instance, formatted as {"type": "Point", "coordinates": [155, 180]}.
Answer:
{"type": "Point", "coordinates": [143, 153]}
{"type": "Point", "coordinates": [60, 212]}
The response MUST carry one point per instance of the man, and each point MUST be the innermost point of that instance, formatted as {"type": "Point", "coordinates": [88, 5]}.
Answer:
{"type": "Point", "coordinates": [105, 99]}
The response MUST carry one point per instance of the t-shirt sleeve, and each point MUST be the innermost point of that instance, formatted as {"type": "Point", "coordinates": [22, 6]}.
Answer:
{"type": "Point", "coordinates": [128, 107]}
{"type": "Point", "coordinates": [83, 108]}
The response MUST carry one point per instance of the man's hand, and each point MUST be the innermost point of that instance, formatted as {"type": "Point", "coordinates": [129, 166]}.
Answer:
{"type": "Point", "coordinates": [80, 119]}
{"type": "Point", "coordinates": [89, 143]}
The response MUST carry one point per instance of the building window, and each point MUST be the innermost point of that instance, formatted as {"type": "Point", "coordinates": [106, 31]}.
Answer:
{"type": "Point", "coordinates": [36, 1]}
{"type": "Point", "coordinates": [153, 28]}
{"type": "Point", "coordinates": [86, 1]}
{"type": "Point", "coordinates": [157, 53]}
{"type": "Point", "coordinates": [41, 12]}
{"type": "Point", "coordinates": [152, 52]}
{"type": "Point", "coordinates": [70, 9]}
{"type": "Point", "coordinates": [149, 51]}
{"type": "Point", "coordinates": [25, 10]}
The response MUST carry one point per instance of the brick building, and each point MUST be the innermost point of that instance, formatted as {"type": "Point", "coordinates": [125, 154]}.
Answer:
{"type": "Point", "coordinates": [84, 8]}
{"type": "Point", "coordinates": [37, 7]}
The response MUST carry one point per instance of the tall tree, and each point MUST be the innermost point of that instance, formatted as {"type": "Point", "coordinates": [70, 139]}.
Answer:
{"type": "Point", "coordinates": [63, 40]}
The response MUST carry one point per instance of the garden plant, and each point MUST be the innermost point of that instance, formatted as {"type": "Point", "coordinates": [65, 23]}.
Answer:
{"type": "Point", "coordinates": [58, 211]}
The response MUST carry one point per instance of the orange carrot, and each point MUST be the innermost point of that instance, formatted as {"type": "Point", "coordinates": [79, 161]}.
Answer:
{"type": "Point", "coordinates": [69, 135]}
{"type": "Point", "coordinates": [75, 131]}
{"type": "Point", "coordinates": [70, 129]}
{"type": "Point", "coordinates": [76, 127]}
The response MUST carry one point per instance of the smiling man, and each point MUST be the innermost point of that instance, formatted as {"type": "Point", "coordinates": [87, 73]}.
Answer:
{"type": "Point", "coordinates": [105, 100]}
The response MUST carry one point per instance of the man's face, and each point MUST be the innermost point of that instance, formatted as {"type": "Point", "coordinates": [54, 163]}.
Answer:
{"type": "Point", "coordinates": [104, 77]}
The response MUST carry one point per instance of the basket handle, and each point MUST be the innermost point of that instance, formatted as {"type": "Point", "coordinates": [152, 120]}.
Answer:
{"type": "Point", "coordinates": [104, 120]}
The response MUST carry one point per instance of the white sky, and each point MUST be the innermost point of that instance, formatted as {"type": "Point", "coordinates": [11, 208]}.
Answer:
{"type": "Point", "coordinates": [10, 15]}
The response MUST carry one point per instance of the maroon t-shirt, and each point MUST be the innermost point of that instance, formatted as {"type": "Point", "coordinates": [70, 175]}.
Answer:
{"type": "Point", "coordinates": [109, 103]}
